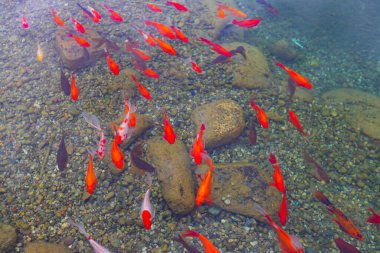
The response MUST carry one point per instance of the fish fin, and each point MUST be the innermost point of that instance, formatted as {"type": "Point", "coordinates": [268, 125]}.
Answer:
{"type": "Point", "coordinates": [92, 120]}
{"type": "Point", "coordinates": [296, 243]}
{"type": "Point", "coordinates": [190, 233]}
{"type": "Point", "coordinates": [80, 226]}
{"type": "Point", "coordinates": [322, 198]}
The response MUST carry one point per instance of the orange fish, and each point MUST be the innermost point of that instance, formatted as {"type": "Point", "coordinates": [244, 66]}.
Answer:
{"type": "Point", "coordinates": [176, 5]}
{"type": "Point", "coordinates": [375, 218]}
{"type": "Point", "coordinates": [345, 224]}
{"type": "Point", "coordinates": [297, 78]}
{"type": "Point", "coordinates": [283, 212]}
{"type": "Point", "coordinates": [260, 114]}
{"type": "Point", "coordinates": [78, 25]}
{"type": "Point", "coordinates": [294, 120]}
{"type": "Point", "coordinates": [179, 34]}
{"type": "Point", "coordinates": [287, 243]}
{"type": "Point", "coordinates": [278, 181]}
{"type": "Point", "coordinates": [204, 190]}
{"type": "Point", "coordinates": [153, 7]}
{"type": "Point", "coordinates": [141, 54]}
{"type": "Point", "coordinates": [57, 20]}
{"type": "Point", "coordinates": [116, 154]}
{"type": "Point", "coordinates": [150, 73]}
{"type": "Point", "coordinates": [40, 54]}
{"type": "Point", "coordinates": [143, 91]}
{"type": "Point", "coordinates": [194, 66]}
{"type": "Point", "coordinates": [233, 11]}
{"type": "Point", "coordinates": [146, 37]}
{"type": "Point", "coordinates": [96, 16]}
{"type": "Point", "coordinates": [169, 134]}
{"type": "Point", "coordinates": [82, 42]}
{"type": "Point", "coordinates": [221, 13]}
{"type": "Point", "coordinates": [161, 28]}
{"type": "Point", "coordinates": [114, 15]}
{"type": "Point", "coordinates": [165, 46]}
{"type": "Point", "coordinates": [198, 150]}
{"type": "Point", "coordinates": [216, 47]}
{"type": "Point", "coordinates": [111, 63]}
{"type": "Point", "coordinates": [247, 23]}
{"type": "Point", "coordinates": [207, 245]}
{"type": "Point", "coordinates": [74, 88]}
{"type": "Point", "coordinates": [91, 180]}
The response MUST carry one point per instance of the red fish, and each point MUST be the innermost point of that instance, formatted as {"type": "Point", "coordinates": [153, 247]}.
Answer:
{"type": "Point", "coordinates": [165, 46]}
{"type": "Point", "coordinates": [233, 11]}
{"type": "Point", "coordinates": [198, 150]}
{"type": "Point", "coordinates": [179, 34]}
{"type": "Point", "coordinates": [294, 120]}
{"type": "Point", "coordinates": [114, 15]}
{"type": "Point", "coordinates": [82, 42]}
{"type": "Point", "coordinates": [375, 218]}
{"type": "Point", "coordinates": [140, 54]}
{"type": "Point", "coordinates": [260, 115]}
{"type": "Point", "coordinates": [147, 39]}
{"type": "Point", "coordinates": [153, 7]}
{"type": "Point", "coordinates": [90, 180]}
{"type": "Point", "coordinates": [74, 88]}
{"type": "Point", "coordinates": [169, 134]}
{"type": "Point", "coordinates": [204, 190]}
{"type": "Point", "coordinates": [297, 78]}
{"type": "Point", "coordinates": [278, 180]}
{"type": "Point", "coordinates": [116, 154]}
{"type": "Point", "coordinates": [78, 25]}
{"type": "Point", "coordinates": [57, 19]}
{"type": "Point", "coordinates": [161, 28]}
{"type": "Point", "coordinates": [114, 68]}
{"type": "Point", "coordinates": [178, 6]}
{"type": "Point", "coordinates": [283, 212]}
{"type": "Point", "coordinates": [247, 23]}
{"type": "Point", "coordinates": [288, 243]}
{"type": "Point", "coordinates": [195, 67]}
{"type": "Point", "coordinates": [345, 224]}
{"type": "Point", "coordinates": [216, 47]}
{"type": "Point", "coordinates": [221, 13]}
{"type": "Point", "coordinates": [96, 16]}
{"type": "Point", "coordinates": [345, 247]}
{"type": "Point", "coordinates": [207, 245]}
{"type": "Point", "coordinates": [147, 212]}
{"type": "Point", "coordinates": [143, 91]}
{"type": "Point", "coordinates": [24, 22]}
{"type": "Point", "coordinates": [150, 73]}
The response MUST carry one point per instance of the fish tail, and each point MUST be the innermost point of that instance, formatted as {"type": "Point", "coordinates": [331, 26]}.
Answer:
{"type": "Point", "coordinates": [253, 104]}
{"type": "Point", "coordinates": [190, 233]}
{"type": "Point", "coordinates": [70, 34]}
{"type": "Point", "coordinates": [80, 227]}
{"type": "Point", "coordinates": [322, 198]}
{"type": "Point", "coordinates": [296, 243]}
{"type": "Point", "coordinates": [279, 64]}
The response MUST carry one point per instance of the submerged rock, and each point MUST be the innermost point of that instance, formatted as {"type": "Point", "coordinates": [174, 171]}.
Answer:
{"type": "Point", "coordinates": [237, 186]}
{"type": "Point", "coordinates": [224, 122]}
{"type": "Point", "coordinates": [252, 72]}
{"type": "Point", "coordinates": [74, 56]}
{"type": "Point", "coordinates": [8, 238]}
{"type": "Point", "coordinates": [283, 51]}
{"type": "Point", "coordinates": [362, 109]}
{"type": "Point", "coordinates": [172, 163]}
{"type": "Point", "coordinates": [43, 247]}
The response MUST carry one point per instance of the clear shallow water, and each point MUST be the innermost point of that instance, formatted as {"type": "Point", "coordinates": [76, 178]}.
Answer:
{"type": "Point", "coordinates": [342, 37]}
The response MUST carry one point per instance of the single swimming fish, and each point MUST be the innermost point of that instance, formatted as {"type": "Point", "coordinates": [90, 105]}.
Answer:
{"type": "Point", "coordinates": [94, 122]}
{"type": "Point", "coordinates": [140, 54]}
{"type": "Point", "coordinates": [246, 23]}
{"type": "Point", "coordinates": [345, 247]}
{"type": "Point", "coordinates": [57, 19]}
{"type": "Point", "coordinates": [345, 224]}
{"type": "Point", "coordinates": [153, 7]}
{"type": "Point", "coordinates": [147, 211]}
{"type": "Point", "coordinates": [178, 6]}
{"type": "Point", "coordinates": [194, 65]}
{"type": "Point", "coordinates": [287, 243]}
{"type": "Point", "coordinates": [216, 47]}
{"type": "Point", "coordinates": [114, 15]}
{"type": "Point", "coordinates": [207, 245]}
{"type": "Point", "coordinates": [260, 115]}
{"type": "Point", "coordinates": [143, 91]}
{"type": "Point", "coordinates": [198, 149]}
{"type": "Point", "coordinates": [224, 59]}
{"type": "Point", "coordinates": [233, 11]}
{"type": "Point", "coordinates": [40, 54]}
{"type": "Point", "coordinates": [169, 134]}
{"type": "Point", "coordinates": [96, 246]}
{"type": "Point", "coordinates": [82, 42]}
{"type": "Point", "coordinates": [65, 85]}
{"type": "Point", "coordinates": [205, 187]}
{"type": "Point", "coordinates": [165, 46]}
{"type": "Point", "coordinates": [319, 172]}
{"type": "Point", "coordinates": [295, 122]}
{"type": "Point", "coordinates": [283, 211]}
{"type": "Point", "coordinates": [297, 78]}
{"type": "Point", "coordinates": [179, 34]}
{"type": "Point", "coordinates": [161, 28]}
{"type": "Point", "coordinates": [116, 154]}
{"type": "Point", "coordinates": [297, 42]}
{"type": "Point", "coordinates": [278, 180]}
{"type": "Point", "coordinates": [78, 26]}
{"type": "Point", "coordinates": [24, 23]}
{"type": "Point", "coordinates": [91, 179]}
{"type": "Point", "coordinates": [74, 88]}
{"type": "Point", "coordinates": [112, 65]}
{"type": "Point", "coordinates": [62, 155]}
{"type": "Point", "coordinates": [375, 218]}
{"type": "Point", "coordinates": [146, 37]}
{"type": "Point", "coordinates": [96, 15]}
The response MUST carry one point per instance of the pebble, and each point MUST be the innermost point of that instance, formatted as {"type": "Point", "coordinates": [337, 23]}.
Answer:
{"type": "Point", "coordinates": [214, 210]}
{"type": "Point", "coordinates": [109, 196]}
